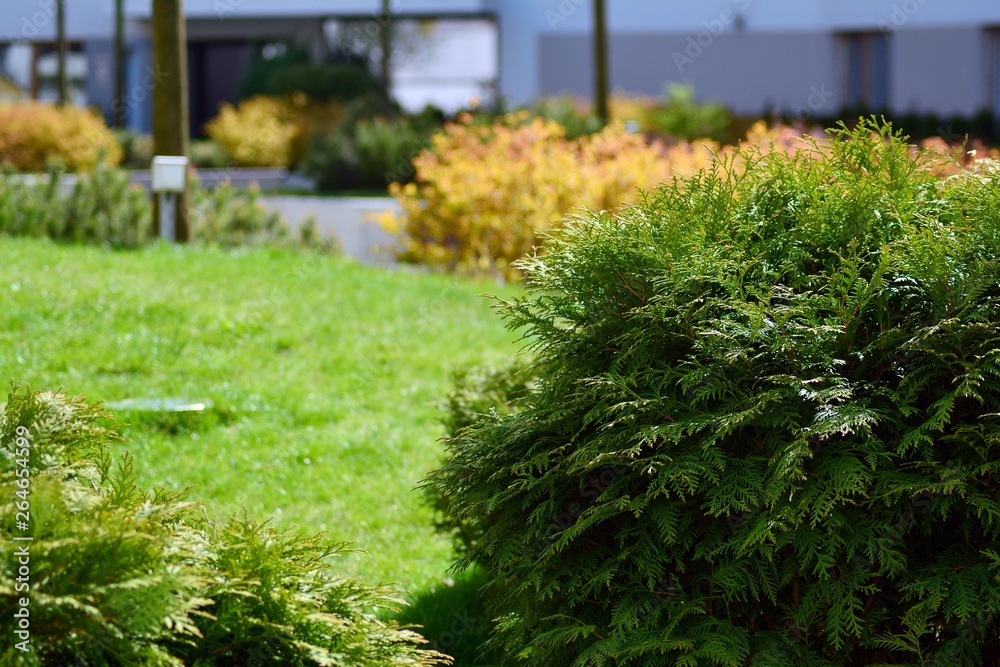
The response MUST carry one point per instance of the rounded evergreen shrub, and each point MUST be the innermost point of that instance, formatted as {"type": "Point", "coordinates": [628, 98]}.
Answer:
{"type": "Point", "coordinates": [764, 425]}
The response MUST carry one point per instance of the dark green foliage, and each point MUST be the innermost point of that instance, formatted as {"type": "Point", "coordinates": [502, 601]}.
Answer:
{"type": "Point", "coordinates": [280, 56]}
{"type": "Point", "coordinates": [485, 392]}
{"type": "Point", "coordinates": [764, 426]}
{"type": "Point", "coordinates": [121, 576]}
{"type": "Point", "coordinates": [956, 129]}
{"type": "Point", "coordinates": [681, 116]}
{"type": "Point", "coordinates": [455, 620]}
{"type": "Point", "coordinates": [137, 149]}
{"type": "Point", "coordinates": [368, 153]}
{"type": "Point", "coordinates": [323, 81]}
{"type": "Point", "coordinates": [291, 70]}
{"type": "Point", "coordinates": [480, 393]}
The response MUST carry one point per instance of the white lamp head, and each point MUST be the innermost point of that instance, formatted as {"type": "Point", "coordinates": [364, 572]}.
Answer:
{"type": "Point", "coordinates": [168, 173]}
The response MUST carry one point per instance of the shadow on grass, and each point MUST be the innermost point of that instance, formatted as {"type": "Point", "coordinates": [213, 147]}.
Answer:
{"type": "Point", "coordinates": [455, 620]}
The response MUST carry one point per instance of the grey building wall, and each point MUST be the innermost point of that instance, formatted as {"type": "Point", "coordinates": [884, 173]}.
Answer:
{"type": "Point", "coordinates": [750, 72]}
{"type": "Point", "coordinates": [943, 71]}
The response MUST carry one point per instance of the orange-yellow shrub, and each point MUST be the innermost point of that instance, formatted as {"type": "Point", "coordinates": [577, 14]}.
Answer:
{"type": "Point", "coordinates": [267, 131]}
{"type": "Point", "coordinates": [485, 194]}
{"type": "Point", "coordinates": [945, 159]}
{"type": "Point", "coordinates": [32, 133]}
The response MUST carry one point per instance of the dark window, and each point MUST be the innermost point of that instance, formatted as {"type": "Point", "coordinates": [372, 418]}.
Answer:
{"type": "Point", "coordinates": [866, 70]}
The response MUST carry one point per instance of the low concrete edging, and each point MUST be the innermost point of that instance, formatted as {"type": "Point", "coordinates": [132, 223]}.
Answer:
{"type": "Point", "coordinates": [352, 220]}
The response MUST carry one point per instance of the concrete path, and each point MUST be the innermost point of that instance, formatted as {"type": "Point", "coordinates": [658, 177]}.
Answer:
{"type": "Point", "coordinates": [265, 178]}
{"type": "Point", "coordinates": [349, 219]}
{"type": "Point", "coordinates": [240, 177]}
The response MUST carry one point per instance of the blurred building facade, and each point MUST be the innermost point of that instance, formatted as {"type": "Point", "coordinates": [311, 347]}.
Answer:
{"type": "Point", "coordinates": [794, 56]}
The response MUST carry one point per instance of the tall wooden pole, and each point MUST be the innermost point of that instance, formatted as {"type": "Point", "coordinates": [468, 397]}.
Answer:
{"type": "Point", "coordinates": [61, 51]}
{"type": "Point", "coordinates": [385, 38]}
{"type": "Point", "coordinates": [170, 96]}
{"type": "Point", "coordinates": [600, 61]}
{"type": "Point", "coordinates": [118, 108]}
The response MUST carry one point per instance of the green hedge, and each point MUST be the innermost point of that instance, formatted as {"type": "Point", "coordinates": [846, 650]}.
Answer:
{"type": "Point", "coordinates": [764, 428]}
{"type": "Point", "coordinates": [103, 207]}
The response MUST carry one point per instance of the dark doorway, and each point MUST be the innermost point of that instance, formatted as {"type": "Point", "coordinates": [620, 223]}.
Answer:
{"type": "Point", "coordinates": [215, 70]}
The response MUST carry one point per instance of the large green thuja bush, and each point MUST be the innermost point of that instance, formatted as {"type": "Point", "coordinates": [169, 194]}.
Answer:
{"type": "Point", "coordinates": [764, 427]}
{"type": "Point", "coordinates": [117, 575]}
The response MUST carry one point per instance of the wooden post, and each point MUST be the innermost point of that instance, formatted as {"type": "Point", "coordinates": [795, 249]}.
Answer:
{"type": "Point", "coordinates": [118, 107]}
{"type": "Point", "coordinates": [600, 62]}
{"type": "Point", "coordinates": [170, 95]}
{"type": "Point", "coordinates": [385, 38]}
{"type": "Point", "coordinates": [61, 51]}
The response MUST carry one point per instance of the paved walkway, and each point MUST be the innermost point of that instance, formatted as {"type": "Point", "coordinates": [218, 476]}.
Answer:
{"type": "Point", "coordinates": [266, 178]}
{"type": "Point", "coordinates": [350, 219]}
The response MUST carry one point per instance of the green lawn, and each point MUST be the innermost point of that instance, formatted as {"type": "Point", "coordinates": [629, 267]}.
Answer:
{"type": "Point", "coordinates": [325, 376]}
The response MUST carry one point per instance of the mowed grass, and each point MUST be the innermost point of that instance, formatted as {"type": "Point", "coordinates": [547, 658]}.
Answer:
{"type": "Point", "coordinates": [325, 375]}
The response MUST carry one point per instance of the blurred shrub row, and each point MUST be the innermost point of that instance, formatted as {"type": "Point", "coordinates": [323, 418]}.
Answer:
{"type": "Point", "coordinates": [477, 193]}
{"type": "Point", "coordinates": [103, 207]}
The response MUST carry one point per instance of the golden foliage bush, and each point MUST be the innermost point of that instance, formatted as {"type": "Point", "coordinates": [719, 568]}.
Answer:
{"type": "Point", "coordinates": [946, 159]}
{"type": "Point", "coordinates": [267, 131]}
{"type": "Point", "coordinates": [486, 194]}
{"type": "Point", "coordinates": [32, 133]}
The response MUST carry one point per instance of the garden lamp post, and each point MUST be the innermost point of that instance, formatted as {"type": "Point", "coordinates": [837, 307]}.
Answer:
{"type": "Point", "coordinates": [168, 180]}
{"type": "Point", "coordinates": [170, 100]}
